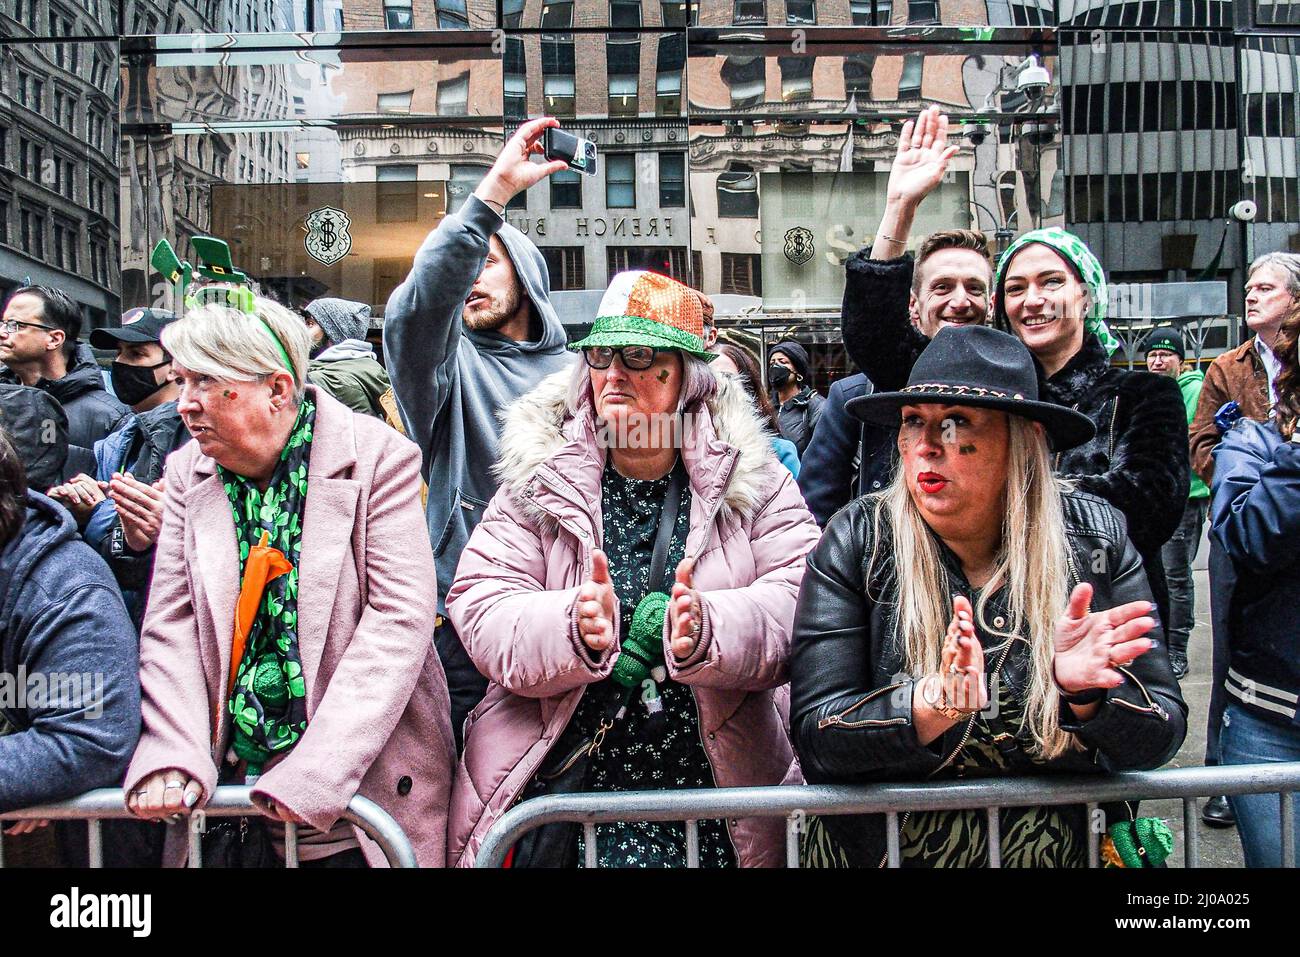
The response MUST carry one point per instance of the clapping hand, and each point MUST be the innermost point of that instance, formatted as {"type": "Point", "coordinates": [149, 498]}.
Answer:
{"type": "Point", "coordinates": [596, 605]}
{"type": "Point", "coordinates": [140, 509]}
{"type": "Point", "coordinates": [79, 495]}
{"type": "Point", "coordinates": [965, 686]}
{"type": "Point", "coordinates": [1091, 646]}
{"type": "Point", "coordinates": [684, 612]}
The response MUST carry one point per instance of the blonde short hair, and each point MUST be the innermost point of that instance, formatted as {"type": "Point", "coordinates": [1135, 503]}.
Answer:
{"type": "Point", "coordinates": [224, 342]}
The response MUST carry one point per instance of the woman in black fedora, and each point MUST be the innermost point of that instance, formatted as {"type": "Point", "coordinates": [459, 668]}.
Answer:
{"type": "Point", "coordinates": [976, 618]}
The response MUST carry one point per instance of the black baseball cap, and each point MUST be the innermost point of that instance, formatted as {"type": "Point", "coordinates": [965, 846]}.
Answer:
{"type": "Point", "coordinates": [138, 325]}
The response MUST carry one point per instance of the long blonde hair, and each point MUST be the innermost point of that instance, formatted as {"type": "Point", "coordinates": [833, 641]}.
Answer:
{"type": "Point", "coordinates": [1032, 564]}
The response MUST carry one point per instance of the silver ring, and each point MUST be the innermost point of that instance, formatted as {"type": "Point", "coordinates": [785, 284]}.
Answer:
{"type": "Point", "coordinates": [953, 669]}
{"type": "Point", "coordinates": [173, 786]}
{"type": "Point", "coordinates": [141, 793]}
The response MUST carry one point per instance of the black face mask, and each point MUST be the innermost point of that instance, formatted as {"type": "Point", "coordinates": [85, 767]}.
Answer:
{"type": "Point", "coordinates": [778, 376]}
{"type": "Point", "coordinates": [134, 384]}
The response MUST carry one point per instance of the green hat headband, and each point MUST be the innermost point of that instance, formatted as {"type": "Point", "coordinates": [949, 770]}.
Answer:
{"type": "Point", "coordinates": [617, 331]}
{"type": "Point", "coordinates": [1075, 251]}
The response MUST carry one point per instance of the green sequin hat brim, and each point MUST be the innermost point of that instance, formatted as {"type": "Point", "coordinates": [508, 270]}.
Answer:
{"type": "Point", "coordinates": [618, 331]}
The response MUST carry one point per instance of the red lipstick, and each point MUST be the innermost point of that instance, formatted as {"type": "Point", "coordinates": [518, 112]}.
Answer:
{"type": "Point", "coordinates": [931, 482]}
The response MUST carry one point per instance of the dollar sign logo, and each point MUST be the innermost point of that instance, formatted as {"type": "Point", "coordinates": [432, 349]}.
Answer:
{"type": "Point", "coordinates": [327, 235]}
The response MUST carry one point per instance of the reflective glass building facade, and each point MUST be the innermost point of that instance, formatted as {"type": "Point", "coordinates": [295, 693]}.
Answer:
{"type": "Point", "coordinates": [744, 144]}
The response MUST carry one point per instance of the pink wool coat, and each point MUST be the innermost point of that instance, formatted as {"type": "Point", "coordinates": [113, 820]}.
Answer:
{"type": "Point", "coordinates": [513, 606]}
{"type": "Point", "coordinates": [377, 700]}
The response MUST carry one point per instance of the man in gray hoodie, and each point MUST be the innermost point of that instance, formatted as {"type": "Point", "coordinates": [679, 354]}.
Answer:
{"type": "Point", "coordinates": [469, 331]}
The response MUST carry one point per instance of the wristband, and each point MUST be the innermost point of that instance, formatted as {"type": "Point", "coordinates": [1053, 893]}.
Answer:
{"type": "Point", "coordinates": [896, 242]}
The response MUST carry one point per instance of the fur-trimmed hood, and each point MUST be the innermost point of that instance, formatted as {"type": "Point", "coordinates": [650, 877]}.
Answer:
{"type": "Point", "coordinates": [537, 429]}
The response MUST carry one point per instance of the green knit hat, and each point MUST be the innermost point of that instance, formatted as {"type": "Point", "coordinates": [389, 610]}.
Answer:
{"type": "Point", "coordinates": [643, 308]}
{"type": "Point", "coordinates": [1076, 252]}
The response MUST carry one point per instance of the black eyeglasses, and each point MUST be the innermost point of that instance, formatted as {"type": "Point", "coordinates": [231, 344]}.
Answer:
{"type": "Point", "coordinates": [10, 326]}
{"type": "Point", "coordinates": [636, 358]}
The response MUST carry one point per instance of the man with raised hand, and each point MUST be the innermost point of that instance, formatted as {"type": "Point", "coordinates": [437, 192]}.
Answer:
{"type": "Point", "coordinates": [471, 329]}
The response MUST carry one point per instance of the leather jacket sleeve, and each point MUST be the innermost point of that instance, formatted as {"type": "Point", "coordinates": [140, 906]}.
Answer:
{"type": "Point", "coordinates": [875, 322]}
{"type": "Point", "coordinates": [1140, 724]}
{"type": "Point", "coordinates": [846, 725]}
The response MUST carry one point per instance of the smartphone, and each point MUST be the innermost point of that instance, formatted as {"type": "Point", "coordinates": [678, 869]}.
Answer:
{"type": "Point", "coordinates": [579, 153]}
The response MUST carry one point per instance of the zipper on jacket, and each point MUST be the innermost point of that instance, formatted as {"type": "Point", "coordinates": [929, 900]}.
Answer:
{"type": "Point", "coordinates": [1153, 706]}
{"type": "Point", "coordinates": [837, 720]}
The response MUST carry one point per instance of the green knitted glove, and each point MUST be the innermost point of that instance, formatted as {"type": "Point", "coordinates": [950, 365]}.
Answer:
{"type": "Point", "coordinates": [642, 647]}
{"type": "Point", "coordinates": [1154, 835]}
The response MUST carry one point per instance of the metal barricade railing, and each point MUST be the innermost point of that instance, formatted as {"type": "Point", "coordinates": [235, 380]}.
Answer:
{"type": "Point", "coordinates": [106, 804]}
{"type": "Point", "coordinates": [796, 802]}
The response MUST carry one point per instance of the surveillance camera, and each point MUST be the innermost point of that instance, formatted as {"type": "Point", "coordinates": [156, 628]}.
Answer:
{"type": "Point", "coordinates": [978, 133]}
{"type": "Point", "coordinates": [1244, 211]}
{"type": "Point", "coordinates": [1033, 81]}
{"type": "Point", "coordinates": [1041, 133]}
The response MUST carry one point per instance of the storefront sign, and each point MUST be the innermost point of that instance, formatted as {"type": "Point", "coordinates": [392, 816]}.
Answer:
{"type": "Point", "coordinates": [327, 240]}
{"type": "Point", "coordinates": [585, 227]}
{"type": "Point", "coordinates": [799, 245]}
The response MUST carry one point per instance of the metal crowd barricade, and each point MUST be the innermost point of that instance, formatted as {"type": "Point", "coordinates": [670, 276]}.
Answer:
{"type": "Point", "coordinates": [95, 807]}
{"type": "Point", "coordinates": [796, 802]}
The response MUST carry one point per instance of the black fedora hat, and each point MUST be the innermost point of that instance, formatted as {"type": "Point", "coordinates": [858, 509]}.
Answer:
{"type": "Point", "coordinates": [977, 366]}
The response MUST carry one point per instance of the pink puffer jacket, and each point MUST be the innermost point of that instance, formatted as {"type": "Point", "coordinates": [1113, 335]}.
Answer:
{"type": "Point", "coordinates": [513, 605]}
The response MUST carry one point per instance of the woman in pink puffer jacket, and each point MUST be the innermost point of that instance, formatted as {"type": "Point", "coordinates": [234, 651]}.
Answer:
{"type": "Point", "coordinates": [537, 602]}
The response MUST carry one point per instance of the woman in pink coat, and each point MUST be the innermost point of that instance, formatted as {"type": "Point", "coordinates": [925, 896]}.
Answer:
{"type": "Point", "coordinates": [287, 642]}
{"type": "Point", "coordinates": [629, 593]}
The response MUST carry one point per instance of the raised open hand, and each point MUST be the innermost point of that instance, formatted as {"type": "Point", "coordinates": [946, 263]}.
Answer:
{"type": "Point", "coordinates": [922, 158]}
{"type": "Point", "coordinates": [965, 686]}
{"type": "Point", "coordinates": [1090, 646]}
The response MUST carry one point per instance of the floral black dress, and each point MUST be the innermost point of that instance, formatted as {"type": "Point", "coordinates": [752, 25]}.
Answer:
{"type": "Point", "coordinates": [646, 751]}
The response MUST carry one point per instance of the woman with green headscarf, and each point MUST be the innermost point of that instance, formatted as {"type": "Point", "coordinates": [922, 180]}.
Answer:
{"type": "Point", "coordinates": [1050, 291]}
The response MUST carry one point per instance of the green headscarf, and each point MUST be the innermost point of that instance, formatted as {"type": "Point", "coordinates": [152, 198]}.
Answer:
{"type": "Point", "coordinates": [1075, 251]}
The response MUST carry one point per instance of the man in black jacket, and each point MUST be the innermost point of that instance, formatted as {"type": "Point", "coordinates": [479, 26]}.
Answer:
{"type": "Point", "coordinates": [38, 343]}
{"type": "Point", "coordinates": [846, 458]}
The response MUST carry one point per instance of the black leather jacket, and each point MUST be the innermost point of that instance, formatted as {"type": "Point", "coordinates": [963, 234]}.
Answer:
{"type": "Point", "coordinates": [851, 703]}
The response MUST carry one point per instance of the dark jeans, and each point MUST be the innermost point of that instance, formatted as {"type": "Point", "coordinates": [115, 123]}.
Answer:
{"type": "Point", "coordinates": [464, 683]}
{"type": "Point", "coordinates": [1247, 739]}
{"type": "Point", "coordinates": [1178, 554]}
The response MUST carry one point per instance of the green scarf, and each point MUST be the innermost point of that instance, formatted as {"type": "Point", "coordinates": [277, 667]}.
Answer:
{"type": "Point", "coordinates": [268, 707]}
{"type": "Point", "coordinates": [1076, 252]}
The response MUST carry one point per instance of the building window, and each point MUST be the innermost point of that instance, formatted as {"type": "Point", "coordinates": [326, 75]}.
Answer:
{"type": "Point", "coordinates": [671, 261]}
{"type": "Point", "coordinates": [801, 12]}
{"type": "Point", "coordinates": [514, 79]}
{"type": "Point", "coordinates": [453, 96]}
{"type": "Point", "coordinates": [860, 10]}
{"type": "Point", "coordinates": [464, 180]}
{"type": "Point", "coordinates": [620, 180]}
{"type": "Point", "coordinates": [622, 95]}
{"type": "Point", "coordinates": [857, 77]}
{"type": "Point", "coordinates": [670, 61]}
{"type": "Point", "coordinates": [675, 13]}
{"type": "Point", "coordinates": [33, 233]}
{"type": "Point", "coordinates": [397, 15]}
{"type": "Point", "coordinates": [558, 91]}
{"type": "Point", "coordinates": [625, 14]}
{"type": "Point", "coordinates": [746, 77]}
{"type": "Point", "coordinates": [738, 192]}
{"type": "Point", "coordinates": [65, 246]}
{"type": "Point", "coordinates": [512, 12]}
{"type": "Point", "coordinates": [922, 11]}
{"type": "Point", "coordinates": [623, 61]}
{"type": "Point", "coordinates": [566, 267]}
{"type": "Point", "coordinates": [557, 73]}
{"type": "Point", "coordinates": [4, 221]}
{"type": "Point", "coordinates": [557, 14]}
{"type": "Point", "coordinates": [742, 274]}
{"type": "Point", "coordinates": [909, 84]}
{"type": "Point", "coordinates": [749, 12]}
{"type": "Point", "coordinates": [452, 15]}
{"type": "Point", "coordinates": [397, 194]}
{"type": "Point", "coordinates": [566, 189]}
{"type": "Point", "coordinates": [672, 179]}
{"type": "Point", "coordinates": [395, 102]}
{"type": "Point", "coordinates": [796, 78]}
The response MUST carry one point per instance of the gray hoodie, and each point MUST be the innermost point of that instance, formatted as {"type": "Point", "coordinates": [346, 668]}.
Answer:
{"type": "Point", "coordinates": [450, 382]}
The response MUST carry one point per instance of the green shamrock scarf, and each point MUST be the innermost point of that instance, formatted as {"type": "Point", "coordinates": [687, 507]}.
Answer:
{"type": "Point", "coordinates": [268, 706]}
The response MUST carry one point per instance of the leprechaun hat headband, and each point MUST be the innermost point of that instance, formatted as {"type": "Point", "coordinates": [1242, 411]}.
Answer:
{"type": "Point", "coordinates": [643, 308]}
